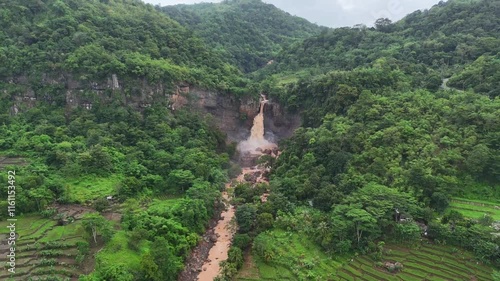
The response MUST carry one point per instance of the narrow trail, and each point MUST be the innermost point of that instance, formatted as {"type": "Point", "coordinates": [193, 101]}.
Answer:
{"type": "Point", "coordinates": [445, 86]}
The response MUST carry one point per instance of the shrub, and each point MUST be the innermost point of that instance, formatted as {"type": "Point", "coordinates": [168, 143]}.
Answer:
{"type": "Point", "coordinates": [48, 212]}
{"type": "Point", "coordinates": [242, 241]}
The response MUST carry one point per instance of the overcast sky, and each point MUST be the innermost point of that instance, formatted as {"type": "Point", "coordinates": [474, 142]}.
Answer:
{"type": "Point", "coordinates": [336, 13]}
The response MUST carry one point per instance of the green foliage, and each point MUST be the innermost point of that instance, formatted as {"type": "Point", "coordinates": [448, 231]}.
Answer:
{"type": "Point", "coordinates": [93, 39]}
{"type": "Point", "coordinates": [249, 33]}
{"type": "Point", "coordinates": [242, 241]}
{"type": "Point", "coordinates": [245, 217]}
{"type": "Point", "coordinates": [482, 76]}
{"type": "Point", "coordinates": [264, 222]}
{"type": "Point", "coordinates": [160, 263]}
{"type": "Point", "coordinates": [83, 251]}
{"type": "Point", "coordinates": [496, 275]}
{"type": "Point", "coordinates": [407, 233]}
{"type": "Point", "coordinates": [282, 255]}
{"type": "Point", "coordinates": [94, 225]}
{"type": "Point", "coordinates": [235, 256]}
{"type": "Point", "coordinates": [427, 45]}
{"type": "Point", "coordinates": [380, 147]}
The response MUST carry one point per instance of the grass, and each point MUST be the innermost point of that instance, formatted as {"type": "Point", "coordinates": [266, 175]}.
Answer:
{"type": "Point", "coordinates": [158, 204]}
{"type": "Point", "coordinates": [424, 262]}
{"type": "Point", "coordinates": [26, 225]}
{"type": "Point", "coordinates": [292, 252]}
{"type": "Point", "coordinates": [34, 231]}
{"type": "Point", "coordinates": [118, 247]}
{"type": "Point", "coordinates": [88, 188]}
{"type": "Point", "coordinates": [475, 208]}
{"type": "Point", "coordinates": [62, 232]}
{"type": "Point", "coordinates": [493, 202]}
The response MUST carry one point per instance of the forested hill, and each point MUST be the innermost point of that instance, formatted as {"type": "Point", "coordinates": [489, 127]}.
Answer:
{"type": "Point", "coordinates": [167, 163]}
{"type": "Point", "coordinates": [249, 32]}
{"type": "Point", "coordinates": [96, 38]}
{"type": "Point", "coordinates": [436, 43]}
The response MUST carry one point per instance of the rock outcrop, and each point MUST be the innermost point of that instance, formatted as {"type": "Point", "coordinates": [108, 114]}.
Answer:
{"type": "Point", "coordinates": [233, 115]}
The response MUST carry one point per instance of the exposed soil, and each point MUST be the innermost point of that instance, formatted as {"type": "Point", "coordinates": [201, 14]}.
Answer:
{"type": "Point", "coordinates": [88, 265]}
{"type": "Point", "coordinates": [73, 210]}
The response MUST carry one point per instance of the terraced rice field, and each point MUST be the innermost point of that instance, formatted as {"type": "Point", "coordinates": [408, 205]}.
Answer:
{"type": "Point", "coordinates": [43, 249]}
{"type": "Point", "coordinates": [427, 263]}
{"type": "Point", "coordinates": [476, 209]}
{"type": "Point", "coordinates": [11, 162]}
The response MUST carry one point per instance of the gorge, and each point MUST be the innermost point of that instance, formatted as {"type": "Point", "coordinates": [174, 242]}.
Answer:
{"type": "Point", "coordinates": [222, 233]}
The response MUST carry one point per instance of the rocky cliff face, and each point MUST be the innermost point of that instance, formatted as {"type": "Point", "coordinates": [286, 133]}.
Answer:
{"type": "Point", "coordinates": [231, 114]}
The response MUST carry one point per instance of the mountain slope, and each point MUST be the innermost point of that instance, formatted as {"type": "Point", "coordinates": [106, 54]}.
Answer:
{"type": "Point", "coordinates": [97, 38]}
{"type": "Point", "coordinates": [249, 32]}
{"type": "Point", "coordinates": [440, 40]}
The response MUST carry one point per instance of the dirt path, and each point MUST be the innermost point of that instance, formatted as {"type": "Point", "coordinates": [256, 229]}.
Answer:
{"type": "Point", "coordinates": [445, 86]}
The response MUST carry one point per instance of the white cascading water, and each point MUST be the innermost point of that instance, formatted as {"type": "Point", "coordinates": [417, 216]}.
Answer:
{"type": "Point", "coordinates": [256, 140]}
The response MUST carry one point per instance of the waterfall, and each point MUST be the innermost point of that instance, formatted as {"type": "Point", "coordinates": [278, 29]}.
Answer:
{"type": "Point", "coordinates": [257, 132]}
{"type": "Point", "coordinates": [256, 139]}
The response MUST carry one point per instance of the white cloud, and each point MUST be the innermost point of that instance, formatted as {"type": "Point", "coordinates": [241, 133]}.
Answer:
{"type": "Point", "coordinates": [336, 13]}
{"type": "Point", "coordinates": [346, 4]}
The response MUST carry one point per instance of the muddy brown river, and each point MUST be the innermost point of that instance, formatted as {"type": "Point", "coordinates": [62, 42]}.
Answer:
{"type": "Point", "coordinates": [225, 229]}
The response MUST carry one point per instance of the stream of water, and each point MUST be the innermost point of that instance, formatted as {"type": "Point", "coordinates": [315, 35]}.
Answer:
{"type": "Point", "coordinates": [254, 145]}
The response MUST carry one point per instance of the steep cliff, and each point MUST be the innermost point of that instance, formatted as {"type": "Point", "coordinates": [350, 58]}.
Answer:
{"type": "Point", "coordinates": [232, 114]}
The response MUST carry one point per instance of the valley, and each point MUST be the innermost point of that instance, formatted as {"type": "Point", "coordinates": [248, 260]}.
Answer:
{"type": "Point", "coordinates": [234, 141]}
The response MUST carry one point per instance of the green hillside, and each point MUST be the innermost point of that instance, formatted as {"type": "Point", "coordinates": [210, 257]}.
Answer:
{"type": "Point", "coordinates": [92, 39]}
{"type": "Point", "coordinates": [118, 168]}
{"type": "Point", "coordinates": [428, 45]}
{"type": "Point", "coordinates": [248, 32]}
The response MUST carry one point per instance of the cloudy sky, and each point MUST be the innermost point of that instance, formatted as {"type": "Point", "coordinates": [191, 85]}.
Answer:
{"type": "Point", "coordinates": [336, 13]}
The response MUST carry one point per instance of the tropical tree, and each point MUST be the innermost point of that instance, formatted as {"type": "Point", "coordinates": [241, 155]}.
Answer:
{"type": "Point", "coordinates": [94, 224]}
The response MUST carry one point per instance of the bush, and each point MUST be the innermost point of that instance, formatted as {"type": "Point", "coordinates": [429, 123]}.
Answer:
{"type": "Point", "coordinates": [50, 253]}
{"type": "Point", "coordinates": [48, 262]}
{"type": "Point", "coordinates": [101, 204]}
{"type": "Point", "coordinates": [242, 241]}
{"type": "Point", "coordinates": [48, 213]}
{"type": "Point", "coordinates": [235, 256]}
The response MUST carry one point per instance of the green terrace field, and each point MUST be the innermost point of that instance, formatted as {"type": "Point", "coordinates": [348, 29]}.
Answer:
{"type": "Point", "coordinates": [297, 258]}
{"type": "Point", "coordinates": [476, 208]}
{"type": "Point", "coordinates": [425, 263]}
{"type": "Point", "coordinates": [43, 249]}
{"type": "Point", "coordinates": [11, 162]}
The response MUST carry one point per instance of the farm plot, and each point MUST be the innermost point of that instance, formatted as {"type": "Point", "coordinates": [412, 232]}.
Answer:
{"type": "Point", "coordinates": [43, 249]}
{"type": "Point", "coordinates": [476, 209]}
{"type": "Point", "coordinates": [427, 262]}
